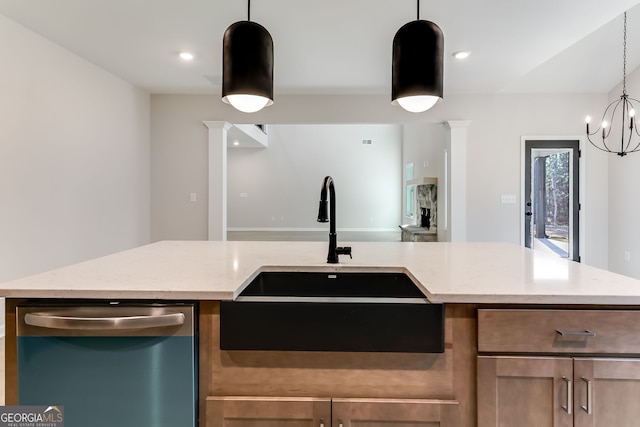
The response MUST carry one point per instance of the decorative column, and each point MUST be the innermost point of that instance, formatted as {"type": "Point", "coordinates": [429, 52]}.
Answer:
{"type": "Point", "coordinates": [218, 179]}
{"type": "Point", "coordinates": [456, 177]}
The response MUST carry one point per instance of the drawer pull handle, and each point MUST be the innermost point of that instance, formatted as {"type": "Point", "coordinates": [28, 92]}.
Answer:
{"type": "Point", "coordinates": [585, 333]}
{"type": "Point", "coordinates": [589, 408]}
{"type": "Point", "coordinates": [569, 404]}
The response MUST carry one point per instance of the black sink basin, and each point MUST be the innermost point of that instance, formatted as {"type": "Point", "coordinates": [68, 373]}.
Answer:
{"type": "Point", "coordinates": [337, 285]}
{"type": "Point", "coordinates": [319, 311]}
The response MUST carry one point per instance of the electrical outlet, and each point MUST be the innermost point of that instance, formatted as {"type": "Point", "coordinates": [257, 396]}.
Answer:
{"type": "Point", "coordinates": [627, 256]}
{"type": "Point", "coordinates": [193, 197]}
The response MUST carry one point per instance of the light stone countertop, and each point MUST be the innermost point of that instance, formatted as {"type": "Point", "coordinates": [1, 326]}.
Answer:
{"type": "Point", "coordinates": [446, 272]}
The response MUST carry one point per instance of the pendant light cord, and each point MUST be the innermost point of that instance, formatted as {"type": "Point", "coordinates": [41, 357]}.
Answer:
{"type": "Point", "coordinates": [418, 9]}
{"type": "Point", "coordinates": [248, 10]}
{"type": "Point", "coordinates": [624, 57]}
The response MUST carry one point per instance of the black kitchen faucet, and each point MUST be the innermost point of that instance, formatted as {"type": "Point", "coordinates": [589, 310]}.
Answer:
{"type": "Point", "coordinates": [330, 217]}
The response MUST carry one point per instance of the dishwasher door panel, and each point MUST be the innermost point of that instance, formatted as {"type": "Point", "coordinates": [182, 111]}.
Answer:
{"type": "Point", "coordinates": [106, 381]}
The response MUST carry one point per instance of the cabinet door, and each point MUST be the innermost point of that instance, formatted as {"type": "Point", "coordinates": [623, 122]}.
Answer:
{"type": "Point", "coordinates": [229, 411]}
{"type": "Point", "coordinates": [525, 391]}
{"type": "Point", "coordinates": [394, 412]}
{"type": "Point", "coordinates": [607, 392]}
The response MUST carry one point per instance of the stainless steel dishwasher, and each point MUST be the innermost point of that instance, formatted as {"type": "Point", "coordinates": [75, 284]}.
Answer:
{"type": "Point", "coordinates": [110, 364]}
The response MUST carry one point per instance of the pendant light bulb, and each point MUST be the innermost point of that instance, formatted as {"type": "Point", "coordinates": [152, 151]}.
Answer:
{"type": "Point", "coordinates": [418, 104]}
{"type": "Point", "coordinates": [247, 103]}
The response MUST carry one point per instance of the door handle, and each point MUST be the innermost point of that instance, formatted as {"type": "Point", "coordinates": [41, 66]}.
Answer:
{"type": "Point", "coordinates": [588, 408]}
{"type": "Point", "coordinates": [569, 404]}
{"type": "Point", "coordinates": [586, 333]}
{"type": "Point", "coordinates": [62, 320]}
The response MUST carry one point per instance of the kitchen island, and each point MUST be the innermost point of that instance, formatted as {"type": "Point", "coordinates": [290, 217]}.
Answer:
{"type": "Point", "coordinates": [485, 287]}
{"type": "Point", "coordinates": [446, 272]}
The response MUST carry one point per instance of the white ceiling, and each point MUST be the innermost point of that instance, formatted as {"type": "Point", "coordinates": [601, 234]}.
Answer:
{"type": "Point", "coordinates": [344, 46]}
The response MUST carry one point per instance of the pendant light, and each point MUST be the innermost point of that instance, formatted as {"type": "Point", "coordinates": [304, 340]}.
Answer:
{"type": "Point", "coordinates": [624, 105]}
{"type": "Point", "coordinates": [247, 65]}
{"type": "Point", "coordinates": [417, 65]}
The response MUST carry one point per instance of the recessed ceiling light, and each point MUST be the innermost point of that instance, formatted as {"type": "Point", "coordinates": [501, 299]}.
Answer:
{"type": "Point", "coordinates": [461, 54]}
{"type": "Point", "coordinates": [186, 56]}
{"type": "Point", "coordinates": [236, 143]}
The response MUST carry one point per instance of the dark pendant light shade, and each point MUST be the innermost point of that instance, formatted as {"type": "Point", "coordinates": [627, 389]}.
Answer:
{"type": "Point", "coordinates": [247, 67]}
{"type": "Point", "coordinates": [417, 66]}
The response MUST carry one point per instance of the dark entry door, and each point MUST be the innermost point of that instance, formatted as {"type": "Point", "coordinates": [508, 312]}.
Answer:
{"type": "Point", "coordinates": [540, 205]}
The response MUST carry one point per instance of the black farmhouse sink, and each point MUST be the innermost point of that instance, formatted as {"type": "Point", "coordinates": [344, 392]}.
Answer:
{"type": "Point", "coordinates": [345, 311]}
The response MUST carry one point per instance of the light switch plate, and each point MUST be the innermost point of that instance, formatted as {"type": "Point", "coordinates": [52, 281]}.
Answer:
{"type": "Point", "coordinates": [508, 198]}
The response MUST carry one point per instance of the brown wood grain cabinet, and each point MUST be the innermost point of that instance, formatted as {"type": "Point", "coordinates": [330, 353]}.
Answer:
{"type": "Point", "coordinates": [606, 392]}
{"type": "Point", "coordinates": [394, 413]}
{"type": "Point", "coordinates": [523, 391]}
{"type": "Point", "coordinates": [237, 411]}
{"type": "Point", "coordinates": [390, 389]}
{"type": "Point", "coordinates": [570, 389]}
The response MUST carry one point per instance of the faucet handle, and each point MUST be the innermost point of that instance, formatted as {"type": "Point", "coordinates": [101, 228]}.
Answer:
{"type": "Point", "coordinates": [344, 250]}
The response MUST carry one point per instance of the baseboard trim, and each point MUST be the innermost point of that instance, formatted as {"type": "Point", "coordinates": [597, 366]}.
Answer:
{"type": "Point", "coordinates": [280, 229]}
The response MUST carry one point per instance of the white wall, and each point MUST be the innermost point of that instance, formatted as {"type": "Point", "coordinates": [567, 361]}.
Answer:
{"type": "Point", "coordinates": [282, 183]}
{"type": "Point", "coordinates": [179, 166]}
{"type": "Point", "coordinates": [624, 203]}
{"type": "Point", "coordinates": [74, 157]}
{"type": "Point", "coordinates": [497, 124]}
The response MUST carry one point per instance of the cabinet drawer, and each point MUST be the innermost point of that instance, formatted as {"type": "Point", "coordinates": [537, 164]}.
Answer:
{"type": "Point", "coordinates": [559, 331]}
{"type": "Point", "coordinates": [246, 411]}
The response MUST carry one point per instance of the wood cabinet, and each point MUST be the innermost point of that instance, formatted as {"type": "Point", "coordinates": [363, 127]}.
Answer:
{"type": "Point", "coordinates": [523, 391]}
{"type": "Point", "coordinates": [569, 389]}
{"type": "Point", "coordinates": [323, 412]}
{"type": "Point", "coordinates": [558, 392]}
{"type": "Point", "coordinates": [394, 412]}
{"type": "Point", "coordinates": [606, 392]}
{"type": "Point", "coordinates": [231, 411]}
{"type": "Point", "coordinates": [559, 331]}
{"type": "Point", "coordinates": [428, 380]}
